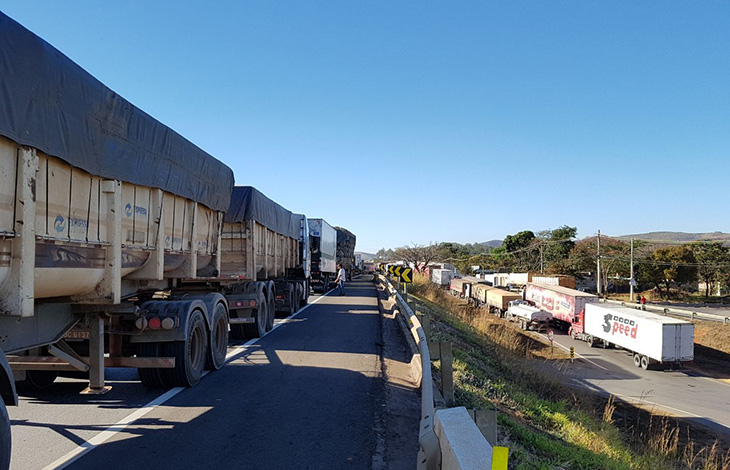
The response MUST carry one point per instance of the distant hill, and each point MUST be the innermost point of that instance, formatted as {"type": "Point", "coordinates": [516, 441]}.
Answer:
{"type": "Point", "coordinates": [681, 237]}
{"type": "Point", "coordinates": [492, 243]}
{"type": "Point", "coordinates": [366, 256]}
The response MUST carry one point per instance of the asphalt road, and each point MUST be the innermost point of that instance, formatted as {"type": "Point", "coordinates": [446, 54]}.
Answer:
{"type": "Point", "coordinates": [689, 393]}
{"type": "Point", "coordinates": [310, 394]}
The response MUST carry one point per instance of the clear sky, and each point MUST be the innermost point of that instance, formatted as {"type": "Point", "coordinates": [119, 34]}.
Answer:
{"type": "Point", "coordinates": [423, 121]}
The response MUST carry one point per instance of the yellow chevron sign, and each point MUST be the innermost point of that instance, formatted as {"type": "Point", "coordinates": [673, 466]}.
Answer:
{"type": "Point", "coordinates": [397, 270]}
{"type": "Point", "coordinates": [406, 275]}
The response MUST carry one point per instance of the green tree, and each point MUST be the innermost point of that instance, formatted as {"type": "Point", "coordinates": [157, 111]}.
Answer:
{"type": "Point", "coordinates": [712, 258]}
{"type": "Point", "coordinates": [673, 264]}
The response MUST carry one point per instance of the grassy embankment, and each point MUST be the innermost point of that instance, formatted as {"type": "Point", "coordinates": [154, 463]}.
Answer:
{"type": "Point", "coordinates": [545, 423]}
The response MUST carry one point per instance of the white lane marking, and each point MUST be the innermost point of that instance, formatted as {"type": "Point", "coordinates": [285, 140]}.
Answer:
{"type": "Point", "coordinates": [109, 432]}
{"type": "Point", "coordinates": [576, 354]}
{"type": "Point", "coordinates": [640, 401]}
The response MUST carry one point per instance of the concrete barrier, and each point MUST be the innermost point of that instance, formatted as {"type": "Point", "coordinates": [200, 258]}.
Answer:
{"type": "Point", "coordinates": [463, 447]}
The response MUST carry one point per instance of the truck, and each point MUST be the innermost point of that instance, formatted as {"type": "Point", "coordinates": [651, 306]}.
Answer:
{"type": "Point", "coordinates": [651, 339]}
{"type": "Point", "coordinates": [346, 250]}
{"type": "Point", "coordinates": [112, 238]}
{"type": "Point", "coordinates": [442, 277]}
{"type": "Point", "coordinates": [323, 246]}
{"type": "Point", "coordinates": [562, 302]}
{"type": "Point", "coordinates": [495, 299]}
{"type": "Point", "coordinates": [527, 315]}
{"type": "Point", "coordinates": [265, 259]}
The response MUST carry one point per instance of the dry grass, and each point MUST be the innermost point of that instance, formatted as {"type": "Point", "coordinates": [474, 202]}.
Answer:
{"type": "Point", "coordinates": [713, 335]}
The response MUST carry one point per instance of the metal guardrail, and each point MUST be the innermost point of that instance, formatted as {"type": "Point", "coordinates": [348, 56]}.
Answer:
{"type": "Point", "coordinates": [429, 454]}
{"type": "Point", "coordinates": [675, 312]}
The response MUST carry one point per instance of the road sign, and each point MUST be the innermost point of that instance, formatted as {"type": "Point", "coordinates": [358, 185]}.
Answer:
{"type": "Point", "coordinates": [406, 275]}
{"type": "Point", "coordinates": [550, 336]}
{"type": "Point", "coordinates": [390, 269]}
{"type": "Point", "coordinates": [397, 270]}
{"type": "Point", "coordinates": [572, 353]}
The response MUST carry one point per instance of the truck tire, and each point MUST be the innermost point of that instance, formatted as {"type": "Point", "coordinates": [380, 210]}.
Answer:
{"type": "Point", "coordinates": [258, 328]}
{"type": "Point", "coordinates": [190, 355]}
{"type": "Point", "coordinates": [271, 310]}
{"type": "Point", "coordinates": [38, 379]}
{"type": "Point", "coordinates": [5, 439]}
{"type": "Point", "coordinates": [644, 362]}
{"type": "Point", "coordinates": [637, 360]}
{"type": "Point", "coordinates": [589, 339]}
{"type": "Point", "coordinates": [305, 294]}
{"type": "Point", "coordinates": [150, 377]}
{"type": "Point", "coordinates": [218, 338]}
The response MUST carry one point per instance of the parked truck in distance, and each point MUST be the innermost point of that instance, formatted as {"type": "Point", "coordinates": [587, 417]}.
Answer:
{"type": "Point", "coordinates": [528, 316]}
{"type": "Point", "coordinates": [563, 303]}
{"type": "Point", "coordinates": [323, 244]}
{"type": "Point", "coordinates": [652, 339]}
{"type": "Point", "coordinates": [496, 299]}
{"type": "Point", "coordinates": [346, 250]}
{"type": "Point", "coordinates": [265, 250]}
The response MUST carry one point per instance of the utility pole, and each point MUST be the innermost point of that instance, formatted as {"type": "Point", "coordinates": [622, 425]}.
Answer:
{"type": "Point", "coordinates": [631, 280]}
{"type": "Point", "coordinates": [598, 265]}
{"type": "Point", "coordinates": [542, 270]}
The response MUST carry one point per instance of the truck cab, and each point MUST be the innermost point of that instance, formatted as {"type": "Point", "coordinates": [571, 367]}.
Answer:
{"type": "Point", "coordinates": [578, 325]}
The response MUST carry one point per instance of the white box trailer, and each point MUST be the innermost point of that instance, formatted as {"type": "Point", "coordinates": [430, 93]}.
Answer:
{"type": "Point", "coordinates": [442, 277]}
{"type": "Point", "coordinates": [651, 338]}
{"type": "Point", "coordinates": [527, 315]}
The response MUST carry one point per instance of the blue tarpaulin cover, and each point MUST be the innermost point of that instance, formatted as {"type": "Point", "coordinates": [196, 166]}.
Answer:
{"type": "Point", "coordinates": [50, 103]}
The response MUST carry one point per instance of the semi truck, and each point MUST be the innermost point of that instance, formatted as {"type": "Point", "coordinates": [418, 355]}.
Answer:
{"type": "Point", "coordinates": [323, 243]}
{"type": "Point", "coordinates": [527, 315]}
{"type": "Point", "coordinates": [563, 303]}
{"type": "Point", "coordinates": [113, 239]}
{"type": "Point", "coordinates": [264, 251]}
{"type": "Point", "coordinates": [496, 299]}
{"type": "Point", "coordinates": [346, 250]}
{"type": "Point", "coordinates": [442, 277]}
{"type": "Point", "coordinates": [650, 338]}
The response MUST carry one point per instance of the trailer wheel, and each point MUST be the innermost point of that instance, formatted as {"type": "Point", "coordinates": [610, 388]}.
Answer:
{"type": "Point", "coordinates": [637, 360]}
{"type": "Point", "coordinates": [305, 294]}
{"type": "Point", "coordinates": [38, 379]}
{"type": "Point", "coordinates": [190, 354]}
{"type": "Point", "coordinates": [151, 377]}
{"type": "Point", "coordinates": [605, 344]}
{"type": "Point", "coordinates": [271, 311]}
{"type": "Point", "coordinates": [258, 328]}
{"type": "Point", "coordinates": [238, 331]}
{"type": "Point", "coordinates": [644, 362]}
{"type": "Point", "coordinates": [5, 439]}
{"type": "Point", "coordinates": [218, 338]}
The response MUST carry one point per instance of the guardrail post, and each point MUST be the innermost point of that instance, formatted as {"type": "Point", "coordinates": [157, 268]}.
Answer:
{"type": "Point", "coordinates": [425, 319]}
{"type": "Point", "coordinates": [447, 372]}
{"type": "Point", "coordinates": [726, 320]}
{"type": "Point", "coordinates": [486, 421]}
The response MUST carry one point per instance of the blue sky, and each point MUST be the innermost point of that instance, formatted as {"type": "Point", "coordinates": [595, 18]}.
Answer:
{"type": "Point", "coordinates": [416, 122]}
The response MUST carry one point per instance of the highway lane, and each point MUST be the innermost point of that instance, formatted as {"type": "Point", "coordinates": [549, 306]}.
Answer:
{"type": "Point", "coordinates": [310, 394]}
{"type": "Point", "coordinates": [689, 393]}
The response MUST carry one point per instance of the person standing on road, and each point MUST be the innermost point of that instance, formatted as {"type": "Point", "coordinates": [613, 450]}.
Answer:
{"type": "Point", "coordinates": [340, 281]}
{"type": "Point", "coordinates": [643, 302]}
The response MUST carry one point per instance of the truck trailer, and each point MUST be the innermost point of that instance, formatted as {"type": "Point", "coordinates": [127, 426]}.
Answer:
{"type": "Point", "coordinates": [528, 316]}
{"type": "Point", "coordinates": [563, 303]}
{"type": "Point", "coordinates": [265, 253]}
{"type": "Point", "coordinates": [105, 215]}
{"type": "Point", "coordinates": [650, 338]}
{"type": "Point", "coordinates": [346, 250]}
{"type": "Point", "coordinates": [496, 299]}
{"type": "Point", "coordinates": [323, 245]}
